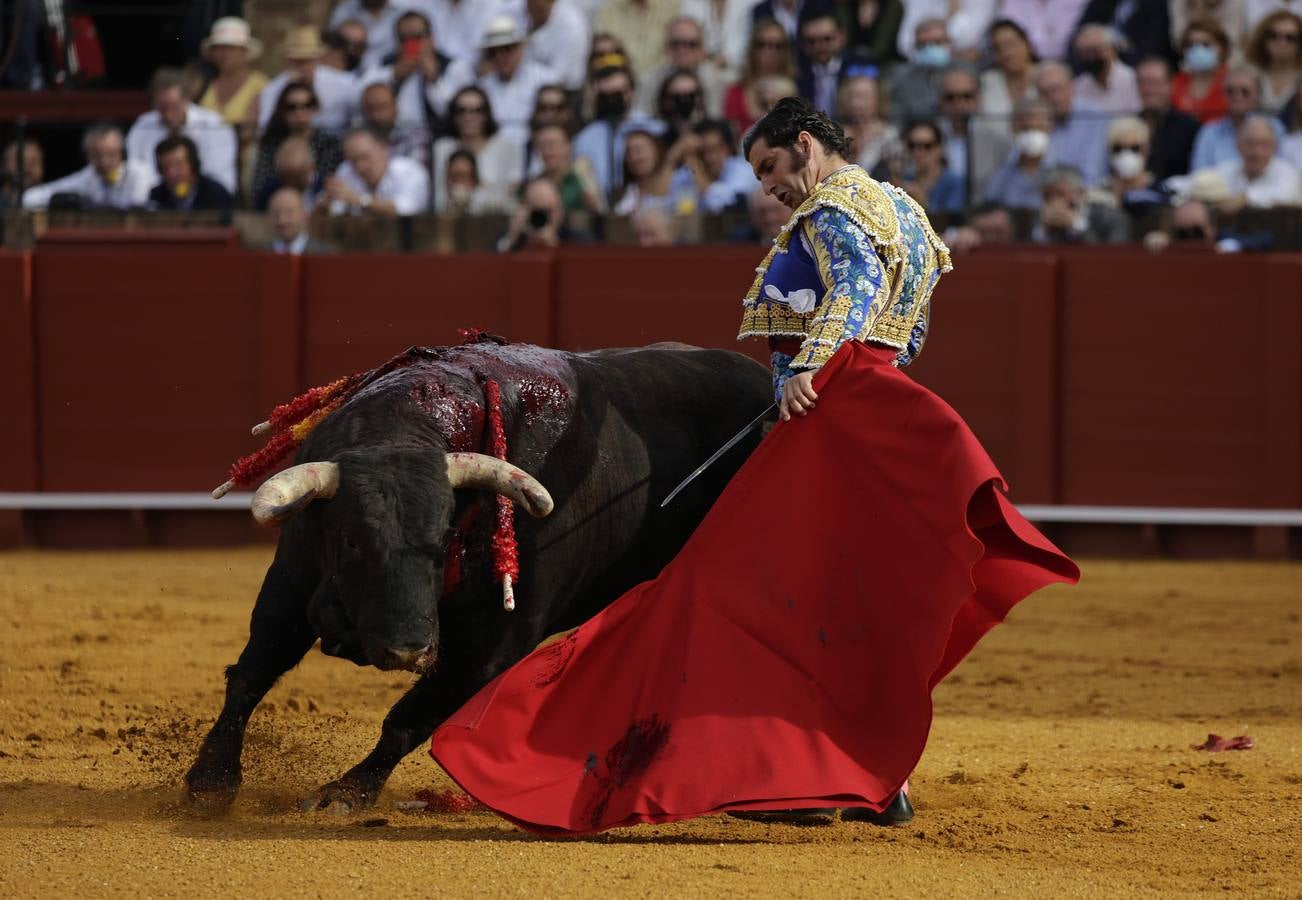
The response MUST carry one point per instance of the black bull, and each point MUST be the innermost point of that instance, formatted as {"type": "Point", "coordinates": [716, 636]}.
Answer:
{"type": "Point", "coordinates": [607, 433]}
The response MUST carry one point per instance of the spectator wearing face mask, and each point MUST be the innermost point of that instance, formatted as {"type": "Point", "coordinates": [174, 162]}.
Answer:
{"type": "Point", "coordinates": [1173, 133]}
{"type": "Point", "coordinates": [685, 52]}
{"type": "Point", "coordinates": [1218, 141]}
{"type": "Point", "coordinates": [1130, 185]}
{"type": "Point", "coordinates": [826, 62]}
{"type": "Point", "coordinates": [1016, 184]}
{"type": "Point", "coordinates": [1230, 15]}
{"type": "Point", "coordinates": [1077, 138]}
{"type": "Point", "coordinates": [966, 20]}
{"type": "Point", "coordinates": [680, 105]}
{"type": "Point", "coordinates": [1199, 88]}
{"type": "Point", "coordinates": [1105, 84]}
{"type": "Point", "coordinates": [602, 141]}
{"type": "Point", "coordinates": [1067, 216]}
{"type": "Point", "coordinates": [109, 180]}
{"type": "Point", "coordinates": [915, 85]}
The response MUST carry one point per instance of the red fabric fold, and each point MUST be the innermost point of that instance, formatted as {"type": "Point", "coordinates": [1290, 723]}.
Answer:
{"type": "Point", "coordinates": [786, 656]}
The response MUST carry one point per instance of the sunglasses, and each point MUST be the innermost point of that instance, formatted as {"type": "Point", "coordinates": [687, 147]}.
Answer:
{"type": "Point", "coordinates": [769, 45]}
{"type": "Point", "coordinates": [414, 36]}
{"type": "Point", "coordinates": [958, 97]}
{"type": "Point", "coordinates": [922, 145]}
{"type": "Point", "coordinates": [299, 107]}
{"type": "Point", "coordinates": [499, 51]}
{"type": "Point", "coordinates": [819, 39]}
{"type": "Point", "coordinates": [684, 44]}
{"type": "Point", "coordinates": [1137, 148]}
{"type": "Point", "coordinates": [1290, 36]}
{"type": "Point", "coordinates": [550, 107]}
{"type": "Point", "coordinates": [469, 110]}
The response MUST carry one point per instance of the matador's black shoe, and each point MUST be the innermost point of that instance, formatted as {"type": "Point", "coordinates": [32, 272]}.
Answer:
{"type": "Point", "coordinates": [787, 816]}
{"type": "Point", "coordinates": [898, 812]}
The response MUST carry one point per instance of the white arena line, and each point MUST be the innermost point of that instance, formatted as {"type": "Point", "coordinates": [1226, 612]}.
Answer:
{"type": "Point", "coordinates": [1110, 515]}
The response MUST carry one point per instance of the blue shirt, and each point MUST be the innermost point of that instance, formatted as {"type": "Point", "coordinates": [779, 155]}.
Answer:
{"type": "Point", "coordinates": [1082, 142]}
{"type": "Point", "coordinates": [1218, 142]}
{"type": "Point", "coordinates": [949, 194]}
{"type": "Point", "coordinates": [1010, 186]}
{"type": "Point", "coordinates": [602, 147]}
{"type": "Point", "coordinates": [735, 184]}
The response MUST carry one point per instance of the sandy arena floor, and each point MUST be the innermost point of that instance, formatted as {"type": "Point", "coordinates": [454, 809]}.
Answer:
{"type": "Point", "coordinates": [1060, 762]}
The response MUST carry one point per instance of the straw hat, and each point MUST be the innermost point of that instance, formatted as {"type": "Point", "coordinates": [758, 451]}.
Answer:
{"type": "Point", "coordinates": [232, 31]}
{"type": "Point", "coordinates": [303, 42]}
{"type": "Point", "coordinates": [502, 31]}
{"type": "Point", "coordinates": [1208, 185]}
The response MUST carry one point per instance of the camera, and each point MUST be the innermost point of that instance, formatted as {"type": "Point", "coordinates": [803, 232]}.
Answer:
{"type": "Point", "coordinates": [538, 218]}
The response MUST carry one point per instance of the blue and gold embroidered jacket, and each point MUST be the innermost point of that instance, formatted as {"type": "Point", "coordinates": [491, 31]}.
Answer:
{"type": "Point", "coordinates": [872, 260]}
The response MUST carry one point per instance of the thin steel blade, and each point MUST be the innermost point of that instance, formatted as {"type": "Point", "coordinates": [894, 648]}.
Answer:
{"type": "Point", "coordinates": [717, 453]}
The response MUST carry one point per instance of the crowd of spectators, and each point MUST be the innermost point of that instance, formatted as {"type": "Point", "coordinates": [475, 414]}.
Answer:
{"type": "Point", "coordinates": [1088, 120]}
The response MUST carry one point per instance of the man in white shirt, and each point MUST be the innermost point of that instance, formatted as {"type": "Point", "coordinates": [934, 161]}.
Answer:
{"type": "Point", "coordinates": [172, 113]}
{"type": "Point", "coordinates": [1259, 178]}
{"type": "Point", "coordinates": [512, 80]}
{"type": "Point", "coordinates": [966, 21]}
{"type": "Point", "coordinates": [379, 17]}
{"type": "Point", "coordinates": [110, 181]}
{"type": "Point", "coordinates": [373, 181]}
{"type": "Point", "coordinates": [1106, 84]}
{"type": "Point", "coordinates": [459, 24]}
{"type": "Point", "coordinates": [338, 92]}
{"type": "Point", "coordinates": [559, 39]}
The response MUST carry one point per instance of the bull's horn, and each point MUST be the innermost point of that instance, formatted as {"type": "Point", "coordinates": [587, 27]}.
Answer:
{"type": "Point", "coordinates": [285, 493]}
{"type": "Point", "coordinates": [475, 470]}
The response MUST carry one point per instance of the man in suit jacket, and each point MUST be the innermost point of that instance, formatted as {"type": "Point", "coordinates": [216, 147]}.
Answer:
{"type": "Point", "coordinates": [184, 186]}
{"type": "Point", "coordinates": [287, 215]}
{"type": "Point", "coordinates": [826, 63]}
{"type": "Point", "coordinates": [1173, 132]}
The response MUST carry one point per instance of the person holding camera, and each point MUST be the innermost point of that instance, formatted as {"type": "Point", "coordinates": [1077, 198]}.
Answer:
{"type": "Point", "coordinates": [538, 223]}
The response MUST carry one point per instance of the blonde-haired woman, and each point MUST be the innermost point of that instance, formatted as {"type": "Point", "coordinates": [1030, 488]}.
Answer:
{"type": "Point", "coordinates": [1129, 183]}
{"type": "Point", "coordinates": [1273, 49]}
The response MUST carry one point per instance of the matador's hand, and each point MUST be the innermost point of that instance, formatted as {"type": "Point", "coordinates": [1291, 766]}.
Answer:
{"type": "Point", "coordinates": [797, 395]}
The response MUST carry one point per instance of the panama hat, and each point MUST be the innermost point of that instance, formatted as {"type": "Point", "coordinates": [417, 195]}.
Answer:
{"type": "Point", "coordinates": [502, 31]}
{"type": "Point", "coordinates": [232, 31]}
{"type": "Point", "coordinates": [303, 42]}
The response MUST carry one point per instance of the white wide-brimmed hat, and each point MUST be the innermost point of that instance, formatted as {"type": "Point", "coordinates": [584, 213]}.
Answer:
{"type": "Point", "coordinates": [232, 31]}
{"type": "Point", "coordinates": [502, 31]}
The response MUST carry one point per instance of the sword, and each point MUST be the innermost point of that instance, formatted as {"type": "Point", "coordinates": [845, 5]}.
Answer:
{"type": "Point", "coordinates": [717, 453]}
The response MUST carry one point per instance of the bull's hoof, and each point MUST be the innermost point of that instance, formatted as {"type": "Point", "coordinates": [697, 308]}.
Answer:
{"type": "Point", "coordinates": [210, 795]}
{"type": "Point", "coordinates": [339, 798]}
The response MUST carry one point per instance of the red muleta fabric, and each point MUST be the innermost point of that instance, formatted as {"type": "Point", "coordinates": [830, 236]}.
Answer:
{"type": "Point", "coordinates": [786, 656]}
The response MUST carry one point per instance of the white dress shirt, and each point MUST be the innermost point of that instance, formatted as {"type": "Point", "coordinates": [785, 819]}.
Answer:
{"type": "Point", "coordinates": [129, 191]}
{"type": "Point", "coordinates": [211, 134]}
{"type": "Point", "coordinates": [405, 184]}
{"type": "Point", "coordinates": [381, 40]}
{"type": "Point", "coordinates": [1276, 186]}
{"type": "Point", "coordinates": [966, 28]}
{"type": "Point", "coordinates": [294, 247]}
{"type": "Point", "coordinates": [459, 25]}
{"type": "Point", "coordinates": [1120, 96]}
{"type": "Point", "coordinates": [339, 93]}
{"type": "Point", "coordinates": [562, 44]}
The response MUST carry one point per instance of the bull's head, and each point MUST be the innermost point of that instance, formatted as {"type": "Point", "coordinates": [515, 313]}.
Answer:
{"type": "Point", "coordinates": [383, 532]}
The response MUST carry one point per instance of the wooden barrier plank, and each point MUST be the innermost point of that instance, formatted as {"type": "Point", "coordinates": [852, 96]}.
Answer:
{"type": "Point", "coordinates": [19, 450]}
{"type": "Point", "coordinates": [631, 296]}
{"type": "Point", "coordinates": [991, 354]}
{"type": "Point", "coordinates": [147, 369]}
{"type": "Point", "coordinates": [361, 310]}
{"type": "Point", "coordinates": [1281, 357]}
{"type": "Point", "coordinates": [1164, 384]}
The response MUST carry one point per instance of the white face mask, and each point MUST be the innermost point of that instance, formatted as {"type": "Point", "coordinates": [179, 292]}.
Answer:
{"type": "Point", "coordinates": [1127, 163]}
{"type": "Point", "coordinates": [1033, 143]}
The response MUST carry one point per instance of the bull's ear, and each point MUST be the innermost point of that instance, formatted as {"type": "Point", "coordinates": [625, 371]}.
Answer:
{"type": "Point", "coordinates": [283, 495]}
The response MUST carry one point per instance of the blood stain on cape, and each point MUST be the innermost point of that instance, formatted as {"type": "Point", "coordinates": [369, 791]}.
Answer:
{"type": "Point", "coordinates": [629, 757]}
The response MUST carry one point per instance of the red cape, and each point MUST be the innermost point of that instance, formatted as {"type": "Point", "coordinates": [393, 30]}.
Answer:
{"type": "Point", "coordinates": [786, 656]}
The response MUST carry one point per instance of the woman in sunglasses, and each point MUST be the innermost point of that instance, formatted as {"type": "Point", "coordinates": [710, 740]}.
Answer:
{"type": "Point", "coordinates": [769, 54]}
{"type": "Point", "coordinates": [1273, 49]}
{"type": "Point", "coordinates": [929, 181]}
{"type": "Point", "coordinates": [295, 110]}
{"type": "Point", "coordinates": [499, 157]}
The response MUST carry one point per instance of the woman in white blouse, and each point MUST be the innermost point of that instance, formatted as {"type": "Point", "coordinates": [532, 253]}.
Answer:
{"type": "Point", "coordinates": [1012, 78]}
{"type": "Point", "coordinates": [498, 155]}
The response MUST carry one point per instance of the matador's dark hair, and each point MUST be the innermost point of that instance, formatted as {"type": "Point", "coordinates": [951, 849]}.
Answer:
{"type": "Point", "coordinates": [781, 125]}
